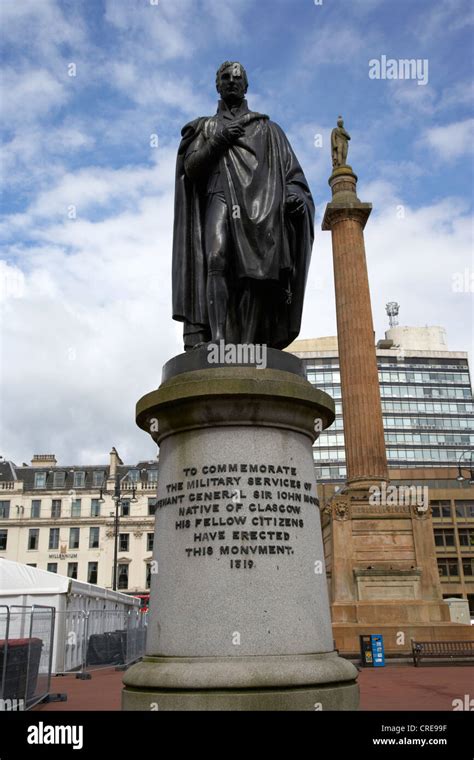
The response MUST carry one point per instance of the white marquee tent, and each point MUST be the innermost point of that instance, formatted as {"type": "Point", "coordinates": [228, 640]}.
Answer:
{"type": "Point", "coordinates": [80, 609]}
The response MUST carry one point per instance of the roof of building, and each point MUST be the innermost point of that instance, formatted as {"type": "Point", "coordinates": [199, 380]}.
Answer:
{"type": "Point", "coordinates": [10, 472]}
{"type": "Point", "coordinates": [7, 471]}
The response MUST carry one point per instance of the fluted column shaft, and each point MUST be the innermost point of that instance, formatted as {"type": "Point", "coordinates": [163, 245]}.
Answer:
{"type": "Point", "coordinates": [346, 217]}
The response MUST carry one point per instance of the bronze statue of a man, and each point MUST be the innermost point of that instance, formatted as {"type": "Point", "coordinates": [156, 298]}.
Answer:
{"type": "Point", "coordinates": [243, 227]}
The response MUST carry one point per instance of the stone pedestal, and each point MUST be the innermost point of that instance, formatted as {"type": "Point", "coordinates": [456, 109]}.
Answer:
{"type": "Point", "coordinates": [239, 610]}
{"type": "Point", "coordinates": [383, 575]}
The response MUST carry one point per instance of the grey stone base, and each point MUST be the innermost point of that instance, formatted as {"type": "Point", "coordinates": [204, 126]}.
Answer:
{"type": "Point", "coordinates": [334, 697]}
{"type": "Point", "coordinates": [293, 682]}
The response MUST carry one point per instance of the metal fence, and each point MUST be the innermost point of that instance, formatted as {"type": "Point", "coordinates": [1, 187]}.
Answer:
{"type": "Point", "coordinates": [91, 639]}
{"type": "Point", "coordinates": [26, 650]}
{"type": "Point", "coordinates": [37, 641]}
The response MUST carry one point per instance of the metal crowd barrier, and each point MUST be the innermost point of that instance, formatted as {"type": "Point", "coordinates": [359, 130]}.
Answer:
{"type": "Point", "coordinates": [26, 652]}
{"type": "Point", "coordinates": [89, 640]}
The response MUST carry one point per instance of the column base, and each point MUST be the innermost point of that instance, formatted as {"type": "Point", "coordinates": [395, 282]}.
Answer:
{"type": "Point", "coordinates": [300, 682]}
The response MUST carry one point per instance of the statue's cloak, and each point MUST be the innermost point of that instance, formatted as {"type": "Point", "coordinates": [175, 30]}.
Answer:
{"type": "Point", "coordinates": [257, 173]}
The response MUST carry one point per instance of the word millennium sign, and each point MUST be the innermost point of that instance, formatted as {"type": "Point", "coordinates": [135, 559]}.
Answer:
{"type": "Point", "coordinates": [67, 555]}
{"type": "Point", "coordinates": [239, 512]}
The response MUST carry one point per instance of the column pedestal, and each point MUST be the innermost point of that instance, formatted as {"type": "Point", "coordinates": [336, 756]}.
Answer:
{"type": "Point", "coordinates": [383, 574]}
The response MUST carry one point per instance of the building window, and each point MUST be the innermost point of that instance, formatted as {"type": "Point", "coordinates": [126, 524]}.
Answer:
{"type": "Point", "coordinates": [31, 564]}
{"type": "Point", "coordinates": [4, 510]}
{"type": "Point", "coordinates": [98, 477]}
{"type": "Point", "coordinates": [79, 479]}
{"type": "Point", "coordinates": [464, 509]}
{"type": "Point", "coordinates": [59, 479]}
{"type": "Point", "coordinates": [124, 541]}
{"type": "Point", "coordinates": [3, 540]}
{"type": "Point", "coordinates": [74, 534]}
{"type": "Point", "coordinates": [133, 475]}
{"type": "Point", "coordinates": [76, 508]}
{"type": "Point", "coordinates": [95, 508]}
{"type": "Point", "coordinates": [151, 506]}
{"type": "Point", "coordinates": [52, 567]}
{"type": "Point", "coordinates": [444, 537]}
{"type": "Point", "coordinates": [152, 477]}
{"type": "Point", "coordinates": [448, 567]}
{"type": "Point", "coordinates": [441, 509]}
{"type": "Point", "coordinates": [468, 566]}
{"type": "Point", "coordinates": [33, 539]}
{"type": "Point", "coordinates": [56, 508]}
{"type": "Point", "coordinates": [92, 572]}
{"type": "Point", "coordinates": [466, 537]}
{"type": "Point", "coordinates": [94, 538]}
{"type": "Point", "coordinates": [148, 575]}
{"type": "Point", "coordinates": [53, 538]}
{"type": "Point", "coordinates": [123, 576]}
{"type": "Point", "coordinates": [40, 480]}
{"type": "Point", "coordinates": [149, 541]}
{"type": "Point", "coordinates": [72, 570]}
{"type": "Point", "coordinates": [125, 507]}
{"type": "Point", "coordinates": [35, 507]}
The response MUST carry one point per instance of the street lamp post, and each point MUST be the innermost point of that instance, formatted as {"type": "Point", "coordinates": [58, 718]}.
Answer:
{"type": "Point", "coordinates": [118, 499]}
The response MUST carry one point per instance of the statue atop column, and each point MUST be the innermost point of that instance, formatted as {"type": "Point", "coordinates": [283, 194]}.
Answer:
{"type": "Point", "coordinates": [243, 226]}
{"type": "Point", "coordinates": [339, 144]}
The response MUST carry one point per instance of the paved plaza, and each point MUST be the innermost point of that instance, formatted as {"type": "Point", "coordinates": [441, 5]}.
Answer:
{"type": "Point", "coordinates": [395, 687]}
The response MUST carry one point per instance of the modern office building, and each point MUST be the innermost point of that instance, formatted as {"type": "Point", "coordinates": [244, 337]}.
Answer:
{"type": "Point", "coordinates": [63, 519]}
{"type": "Point", "coordinates": [426, 394]}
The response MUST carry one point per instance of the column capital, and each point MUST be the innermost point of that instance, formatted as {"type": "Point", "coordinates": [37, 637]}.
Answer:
{"type": "Point", "coordinates": [339, 212]}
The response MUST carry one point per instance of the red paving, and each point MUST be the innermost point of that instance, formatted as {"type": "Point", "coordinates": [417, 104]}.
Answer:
{"type": "Point", "coordinates": [395, 687]}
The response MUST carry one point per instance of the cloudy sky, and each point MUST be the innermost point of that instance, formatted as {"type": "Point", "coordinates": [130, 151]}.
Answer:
{"type": "Point", "coordinates": [94, 95]}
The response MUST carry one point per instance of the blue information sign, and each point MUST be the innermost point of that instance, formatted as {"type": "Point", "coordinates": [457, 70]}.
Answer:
{"type": "Point", "coordinates": [376, 642]}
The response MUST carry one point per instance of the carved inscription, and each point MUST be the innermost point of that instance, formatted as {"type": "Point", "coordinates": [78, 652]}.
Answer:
{"type": "Point", "coordinates": [241, 513]}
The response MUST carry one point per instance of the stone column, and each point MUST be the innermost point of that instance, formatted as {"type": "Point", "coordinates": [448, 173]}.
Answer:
{"type": "Point", "coordinates": [346, 217]}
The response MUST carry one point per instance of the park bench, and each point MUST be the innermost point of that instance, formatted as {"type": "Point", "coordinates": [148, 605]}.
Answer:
{"type": "Point", "coordinates": [441, 650]}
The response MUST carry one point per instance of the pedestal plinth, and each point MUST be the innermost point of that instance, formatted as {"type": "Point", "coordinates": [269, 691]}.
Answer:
{"type": "Point", "coordinates": [383, 574]}
{"type": "Point", "coordinates": [239, 611]}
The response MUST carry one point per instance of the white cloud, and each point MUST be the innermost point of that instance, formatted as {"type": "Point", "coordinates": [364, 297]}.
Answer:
{"type": "Point", "coordinates": [157, 88]}
{"type": "Point", "coordinates": [30, 94]}
{"type": "Point", "coordinates": [90, 330]}
{"type": "Point", "coordinates": [457, 94]}
{"type": "Point", "coordinates": [163, 30]}
{"type": "Point", "coordinates": [41, 27]}
{"type": "Point", "coordinates": [452, 141]}
{"type": "Point", "coordinates": [333, 43]}
{"type": "Point", "coordinates": [35, 154]}
{"type": "Point", "coordinates": [447, 17]}
{"type": "Point", "coordinates": [409, 102]}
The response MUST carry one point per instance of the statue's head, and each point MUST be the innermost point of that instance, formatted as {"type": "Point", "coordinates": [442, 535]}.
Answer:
{"type": "Point", "coordinates": [232, 82]}
{"type": "Point", "coordinates": [340, 121]}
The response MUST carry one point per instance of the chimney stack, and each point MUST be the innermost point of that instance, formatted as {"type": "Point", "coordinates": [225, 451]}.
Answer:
{"type": "Point", "coordinates": [44, 460]}
{"type": "Point", "coordinates": [114, 462]}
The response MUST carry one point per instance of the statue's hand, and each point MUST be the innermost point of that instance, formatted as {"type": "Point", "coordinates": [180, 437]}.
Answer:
{"type": "Point", "coordinates": [295, 206]}
{"type": "Point", "coordinates": [232, 133]}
